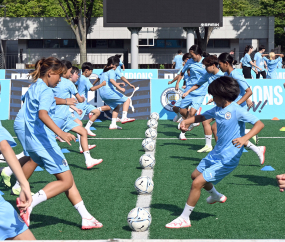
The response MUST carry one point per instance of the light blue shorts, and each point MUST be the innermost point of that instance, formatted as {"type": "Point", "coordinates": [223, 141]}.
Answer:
{"type": "Point", "coordinates": [66, 124]}
{"type": "Point", "coordinates": [214, 170]}
{"type": "Point", "coordinates": [20, 133]}
{"type": "Point", "coordinates": [178, 103]}
{"type": "Point", "coordinates": [113, 99]}
{"type": "Point", "coordinates": [5, 135]}
{"type": "Point", "coordinates": [192, 101]}
{"type": "Point", "coordinates": [86, 109]}
{"type": "Point", "coordinates": [51, 159]}
{"type": "Point", "coordinates": [11, 223]}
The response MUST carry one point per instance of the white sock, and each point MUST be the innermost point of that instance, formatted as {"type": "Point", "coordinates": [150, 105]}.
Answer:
{"type": "Point", "coordinates": [78, 137]}
{"type": "Point", "coordinates": [38, 198]}
{"type": "Point", "coordinates": [186, 212]}
{"type": "Point", "coordinates": [247, 130]}
{"type": "Point", "coordinates": [125, 113]}
{"type": "Point", "coordinates": [19, 156]}
{"type": "Point", "coordinates": [80, 207]}
{"type": "Point", "coordinates": [17, 185]}
{"type": "Point", "coordinates": [253, 147]}
{"type": "Point", "coordinates": [114, 122]}
{"type": "Point", "coordinates": [100, 109]}
{"type": "Point", "coordinates": [8, 171]}
{"type": "Point", "coordinates": [208, 140]}
{"type": "Point", "coordinates": [87, 154]}
{"type": "Point", "coordinates": [214, 193]}
{"type": "Point", "coordinates": [89, 124]}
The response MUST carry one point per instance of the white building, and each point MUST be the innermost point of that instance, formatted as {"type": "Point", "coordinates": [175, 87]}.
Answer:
{"type": "Point", "coordinates": [27, 39]}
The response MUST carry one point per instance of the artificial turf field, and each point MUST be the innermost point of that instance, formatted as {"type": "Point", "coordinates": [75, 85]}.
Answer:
{"type": "Point", "coordinates": [254, 208]}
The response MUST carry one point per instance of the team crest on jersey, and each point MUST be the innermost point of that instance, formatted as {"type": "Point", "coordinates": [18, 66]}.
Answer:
{"type": "Point", "coordinates": [228, 115]}
{"type": "Point", "coordinates": [169, 97]}
{"type": "Point", "coordinates": [64, 162]}
{"type": "Point", "coordinates": [204, 66]}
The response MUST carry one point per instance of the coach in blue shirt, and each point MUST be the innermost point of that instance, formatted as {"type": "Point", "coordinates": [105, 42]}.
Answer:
{"type": "Point", "coordinates": [178, 62]}
{"type": "Point", "coordinates": [259, 61]}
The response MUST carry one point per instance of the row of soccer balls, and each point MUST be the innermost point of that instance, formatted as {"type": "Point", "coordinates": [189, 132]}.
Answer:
{"type": "Point", "coordinates": [139, 219]}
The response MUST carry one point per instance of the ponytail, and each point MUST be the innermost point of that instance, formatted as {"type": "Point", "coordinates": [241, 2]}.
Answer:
{"type": "Point", "coordinates": [113, 60]}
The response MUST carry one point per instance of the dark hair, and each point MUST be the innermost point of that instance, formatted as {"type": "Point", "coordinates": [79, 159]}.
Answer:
{"type": "Point", "coordinates": [224, 87]}
{"type": "Point", "coordinates": [262, 47]}
{"type": "Point", "coordinates": [226, 57]}
{"type": "Point", "coordinates": [74, 69]}
{"type": "Point", "coordinates": [44, 65]}
{"type": "Point", "coordinates": [113, 60]}
{"type": "Point", "coordinates": [211, 60]}
{"type": "Point", "coordinates": [67, 64]}
{"type": "Point", "coordinates": [247, 49]}
{"type": "Point", "coordinates": [185, 56]}
{"type": "Point", "coordinates": [87, 66]}
{"type": "Point", "coordinates": [198, 51]}
{"type": "Point", "coordinates": [179, 51]}
{"type": "Point", "coordinates": [119, 56]}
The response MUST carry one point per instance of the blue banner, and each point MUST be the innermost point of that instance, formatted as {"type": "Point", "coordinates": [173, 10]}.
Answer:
{"type": "Point", "coordinates": [268, 97]}
{"type": "Point", "coordinates": [280, 74]}
{"type": "Point", "coordinates": [5, 89]}
{"type": "Point", "coordinates": [133, 73]}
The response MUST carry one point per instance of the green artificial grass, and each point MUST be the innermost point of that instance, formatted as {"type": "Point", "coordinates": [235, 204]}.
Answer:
{"type": "Point", "coordinates": [254, 209]}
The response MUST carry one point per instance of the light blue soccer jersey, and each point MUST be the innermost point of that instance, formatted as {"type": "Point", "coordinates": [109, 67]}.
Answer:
{"type": "Point", "coordinates": [205, 80]}
{"type": "Point", "coordinates": [84, 86]}
{"type": "Point", "coordinates": [178, 59]}
{"type": "Point", "coordinates": [38, 136]}
{"type": "Point", "coordinates": [259, 61]}
{"type": "Point", "coordinates": [280, 64]}
{"type": "Point", "coordinates": [272, 66]}
{"type": "Point", "coordinates": [5, 135]}
{"type": "Point", "coordinates": [243, 85]}
{"type": "Point", "coordinates": [64, 89]}
{"type": "Point", "coordinates": [107, 76]}
{"type": "Point", "coordinates": [230, 125]}
{"type": "Point", "coordinates": [246, 60]}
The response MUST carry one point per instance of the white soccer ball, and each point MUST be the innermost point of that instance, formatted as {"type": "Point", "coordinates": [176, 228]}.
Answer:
{"type": "Point", "coordinates": [154, 116]}
{"type": "Point", "coordinates": [139, 219]}
{"type": "Point", "coordinates": [151, 133]}
{"type": "Point", "coordinates": [144, 185]}
{"type": "Point", "coordinates": [148, 144]}
{"type": "Point", "coordinates": [152, 123]}
{"type": "Point", "coordinates": [147, 161]}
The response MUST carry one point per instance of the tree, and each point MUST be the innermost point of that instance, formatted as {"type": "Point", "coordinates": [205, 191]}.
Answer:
{"type": "Point", "coordinates": [203, 42]}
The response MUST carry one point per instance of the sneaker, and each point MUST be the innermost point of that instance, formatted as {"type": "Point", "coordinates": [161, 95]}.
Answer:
{"type": "Point", "coordinates": [89, 132]}
{"type": "Point", "coordinates": [6, 179]}
{"type": "Point", "coordinates": [127, 120]}
{"type": "Point", "coordinates": [118, 120]}
{"type": "Point", "coordinates": [212, 200]}
{"type": "Point", "coordinates": [179, 120]}
{"type": "Point", "coordinates": [261, 155]}
{"type": "Point", "coordinates": [90, 115]}
{"type": "Point", "coordinates": [16, 191]}
{"type": "Point", "coordinates": [205, 149]}
{"type": "Point", "coordinates": [90, 147]}
{"type": "Point", "coordinates": [178, 223]}
{"type": "Point", "coordinates": [196, 124]}
{"type": "Point", "coordinates": [191, 127]}
{"type": "Point", "coordinates": [175, 119]}
{"type": "Point", "coordinates": [255, 139]}
{"type": "Point", "coordinates": [93, 162]}
{"type": "Point", "coordinates": [25, 215]}
{"type": "Point", "coordinates": [91, 224]}
{"type": "Point", "coordinates": [182, 136]}
{"type": "Point", "coordinates": [60, 139]}
{"type": "Point", "coordinates": [114, 127]}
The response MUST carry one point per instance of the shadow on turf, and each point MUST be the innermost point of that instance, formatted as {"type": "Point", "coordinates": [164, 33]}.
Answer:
{"type": "Point", "coordinates": [176, 211]}
{"type": "Point", "coordinates": [190, 146]}
{"type": "Point", "coordinates": [127, 228]}
{"type": "Point", "coordinates": [259, 180]}
{"type": "Point", "coordinates": [83, 168]}
{"type": "Point", "coordinates": [174, 134]}
{"type": "Point", "coordinates": [186, 158]}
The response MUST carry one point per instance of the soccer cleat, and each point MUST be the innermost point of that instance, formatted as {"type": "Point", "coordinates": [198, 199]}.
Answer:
{"type": "Point", "coordinates": [261, 154]}
{"type": "Point", "coordinates": [212, 200]}
{"type": "Point", "coordinates": [90, 147]}
{"type": "Point", "coordinates": [182, 136]}
{"type": "Point", "coordinates": [255, 139]}
{"type": "Point", "coordinates": [25, 215]}
{"type": "Point", "coordinates": [205, 149]}
{"type": "Point", "coordinates": [92, 162]}
{"type": "Point", "coordinates": [118, 120]}
{"type": "Point", "coordinates": [127, 120]}
{"type": "Point", "coordinates": [177, 117]}
{"type": "Point", "coordinates": [16, 191]}
{"type": "Point", "coordinates": [179, 120]}
{"type": "Point", "coordinates": [114, 127]}
{"type": "Point", "coordinates": [60, 139]}
{"type": "Point", "coordinates": [196, 124]}
{"type": "Point", "coordinates": [89, 132]}
{"type": "Point", "coordinates": [191, 127]}
{"type": "Point", "coordinates": [91, 224]}
{"type": "Point", "coordinates": [178, 223]}
{"type": "Point", "coordinates": [6, 179]}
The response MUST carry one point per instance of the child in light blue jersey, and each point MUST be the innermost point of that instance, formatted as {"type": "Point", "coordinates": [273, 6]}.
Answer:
{"type": "Point", "coordinates": [197, 70]}
{"type": "Point", "coordinates": [259, 61]}
{"type": "Point", "coordinates": [272, 63]}
{"type": "Point", "coordinates": [224, 158]}
{"type": "Point", "coordinates": [41, 144]}
{"type": "Point", "coordinates": [247, 63]}
{"type": "Point", "coordinates": [84, 86]}
{"type": "Point", "coordinates": [178, 60]}
{"type": "Point", "coordinates": [11, 226]}
{"type": "Point", "coordinates": [212, 73]}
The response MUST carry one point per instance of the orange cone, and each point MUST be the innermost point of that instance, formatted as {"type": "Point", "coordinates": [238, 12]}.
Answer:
{"type": "Point", "coordinates": [275, 118]}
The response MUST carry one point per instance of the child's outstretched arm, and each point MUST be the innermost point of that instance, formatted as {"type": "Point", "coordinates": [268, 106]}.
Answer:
{"type": "Point", "coordinates": [186, 123]}
{"type": "Point", "coordinates": [173, 80]}
{"type": "Point", "coordinates": [98, 86]}
{"type": "Point", "coordinates": [239, 142]}
{"type": "Point", "coordinates": [126, 81]}
{"type": "Point", "coordinates": [96, 81]}
{"type": "Point", "coordinates": [178, 80]}
{"type": "Point", "coordinates": [67, 101]}
{"type": "Point", "coordinates": [117, 85]}
{"type": "Point", "coordinates": [193, 88]}
{"type": "Point", "coordinates": [247, 94]}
